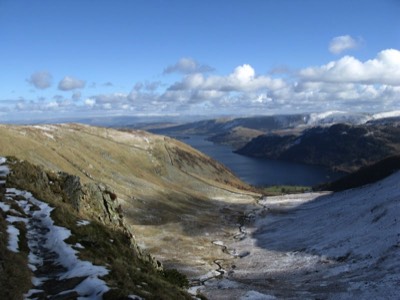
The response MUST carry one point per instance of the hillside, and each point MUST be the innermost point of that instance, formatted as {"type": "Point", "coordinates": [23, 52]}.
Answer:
{"type": "Point", "coordinates": [172, 195]}
{"type": "Point", "coordinates": [63, 240]}
{"type": "Point", "coordinates": [365, 175]}
{"type": "Point", "coordinates": [341, 146]}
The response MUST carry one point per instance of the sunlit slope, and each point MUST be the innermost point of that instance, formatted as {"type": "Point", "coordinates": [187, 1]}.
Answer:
{"type": "Point", "coordinates": [159, 181]}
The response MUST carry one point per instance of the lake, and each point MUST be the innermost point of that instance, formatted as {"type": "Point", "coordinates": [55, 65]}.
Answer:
{"type": "Point", "coordinates": [260, 171]}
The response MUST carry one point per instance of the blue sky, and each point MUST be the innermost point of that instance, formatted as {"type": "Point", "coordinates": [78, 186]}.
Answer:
{"type": "Point", "coordinates": [94, 58]}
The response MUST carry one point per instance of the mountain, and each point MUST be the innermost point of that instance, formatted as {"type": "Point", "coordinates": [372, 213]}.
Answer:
{"type": "Point", "coordinates": [223, 125]}
{"type": "Point", "coordinates": [175, 199]}
{"type": "Point", "coordinates": [341, 146]}
{"type": "Point", "coordinates": [237, 131]}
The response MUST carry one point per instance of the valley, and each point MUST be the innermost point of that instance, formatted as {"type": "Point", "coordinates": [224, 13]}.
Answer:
{"type": "Point", "coordinates": [183, 210]}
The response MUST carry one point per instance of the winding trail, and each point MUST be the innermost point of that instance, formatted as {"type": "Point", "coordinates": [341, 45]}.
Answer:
{"type": "Point", "coordinates": [219, 272]}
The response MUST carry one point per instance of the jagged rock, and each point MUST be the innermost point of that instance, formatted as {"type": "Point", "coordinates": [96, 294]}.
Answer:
{"type": "Point", "coordinates": [72, 188]}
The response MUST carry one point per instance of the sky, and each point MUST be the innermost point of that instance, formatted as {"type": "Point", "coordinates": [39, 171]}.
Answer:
{"type": "Point", "coordinates": [84, 58]}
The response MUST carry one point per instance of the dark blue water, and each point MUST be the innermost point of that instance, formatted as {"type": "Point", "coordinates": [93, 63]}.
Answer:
{"type": "Point", "coordinates": [260, 171]}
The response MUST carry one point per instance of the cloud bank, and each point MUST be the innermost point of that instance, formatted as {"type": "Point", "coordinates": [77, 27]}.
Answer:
{"type": "Point", "coordinates": [346, 84]}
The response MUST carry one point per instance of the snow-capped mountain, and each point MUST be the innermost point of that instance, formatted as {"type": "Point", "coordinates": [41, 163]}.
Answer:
{"type": "Point", "coordinates": [354, 118]}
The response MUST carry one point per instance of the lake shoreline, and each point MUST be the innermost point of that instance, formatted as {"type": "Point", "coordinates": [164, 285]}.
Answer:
{"type": "Point", "coordinates": [261, 172]}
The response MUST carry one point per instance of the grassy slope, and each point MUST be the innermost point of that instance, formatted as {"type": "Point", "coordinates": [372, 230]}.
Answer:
{"type": "Point", "coordinates": [236, 137]}
{"type": "Point", "coordinates": [171, 194]}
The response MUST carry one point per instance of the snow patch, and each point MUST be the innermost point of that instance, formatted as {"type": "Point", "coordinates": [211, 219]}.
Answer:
{"type": "Point", "coordinates": [82, 223]}
{"type": "Point", "coordinates": [79, 246]}
{"type": "Point", "coordinates": [5, 207]}
{"type": "Point", "coordinates": [194, 290]}
{"type": "Point", "coordinates": [91, 288]}
{"type": "Point", "coordinates": [50, 136]}
{"type": "Point", "coordinates": [218, 243]}
{"type": "Point", "coordinates": [4, 170]}
{"type": "Point", "coordinates": [227, 284]}
{"type": "Point", "coordinates": [254, 295]}
{"type": "Point", "coordinates": [45, 127]}
{"type": "Point", "coordinates": [134, 297]}
{"type": "Point", "coordinates": [13, 238]}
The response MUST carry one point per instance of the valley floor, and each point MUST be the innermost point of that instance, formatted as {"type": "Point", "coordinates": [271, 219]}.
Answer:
{"type": "Point", "coordinates": [315, 246]}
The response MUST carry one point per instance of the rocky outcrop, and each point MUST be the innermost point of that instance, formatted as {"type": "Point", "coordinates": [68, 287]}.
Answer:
{"type": "Point", "coordinates": [95, 201]}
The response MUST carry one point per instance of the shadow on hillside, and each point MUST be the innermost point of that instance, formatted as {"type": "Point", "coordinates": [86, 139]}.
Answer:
{"type": "Point", "coordinates": [194, 216]}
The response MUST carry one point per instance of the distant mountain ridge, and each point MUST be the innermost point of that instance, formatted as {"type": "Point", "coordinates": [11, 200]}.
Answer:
{"type": "Point", "coordinates": [340, 140]}
{"type": "Point", "coordinates": [341, 146]}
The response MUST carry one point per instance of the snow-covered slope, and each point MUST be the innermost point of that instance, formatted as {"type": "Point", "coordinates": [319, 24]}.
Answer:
{"type": "Point", "coordinates": [384, 115]}
{"type": "Point", "coordinates": [334, 117]}
{"type": "Point", "coordinates": [321, 246]}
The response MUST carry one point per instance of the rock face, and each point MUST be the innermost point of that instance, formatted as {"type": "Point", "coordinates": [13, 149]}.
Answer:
{"type": "Point", "coordinates": [93, 200]}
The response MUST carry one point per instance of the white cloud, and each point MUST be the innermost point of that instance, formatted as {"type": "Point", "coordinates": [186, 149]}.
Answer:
{"type": "Point", "coordinates": [69, 83]}
{"type": "Point", "coordinates": [242, 79]}
{"type": "Point", "coordinates": [90, 102]}
{"type": "Point", "coordinates": [41, 80]}
{"type": "Point", "coordinates": [341, 43]}
{"type": "Point", "coordinates": [244, 74]}
{"type": "Point", "coordinates": [384, 69]}
{"type": "Point", "coordinates": [344, 84]}
{"type": "Point", "coordinates": [187, 66]}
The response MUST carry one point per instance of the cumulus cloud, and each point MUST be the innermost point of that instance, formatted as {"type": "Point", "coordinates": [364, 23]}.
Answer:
{"type": "Point", "coordinates": [341, 43]}
{"type": "Point", "coordinates": [69, 83]}
{"type": "Point", "coordinates": [343, 84]}
{"type": "Point", "coordinates": [187, 66]}
{"type": "Point", "coordinates": [384, 69]}
{"type": "Point", "coordinates": [41, 80]}
{"type": "Point", "coordinates": [243, 78]}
